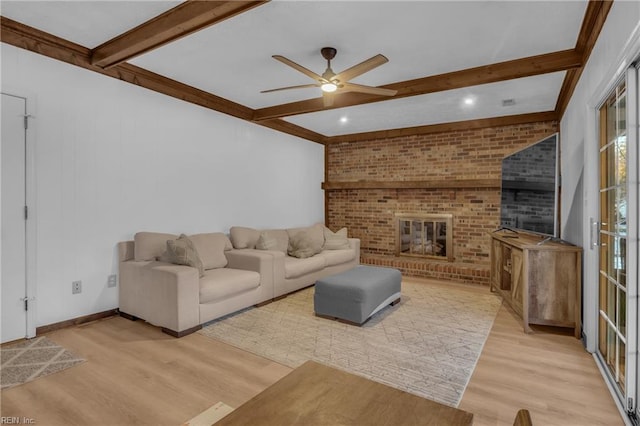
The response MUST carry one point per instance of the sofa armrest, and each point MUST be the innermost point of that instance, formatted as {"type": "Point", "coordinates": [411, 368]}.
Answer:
{"type": "Point", "coordinates": [175, 296]}
{"type": "Point", "coordinates": [278, 268]}
{"type": "Point", "coordinates": [258, 261]}
{"type": "Point", "coordinates": [162, 294]}
{"type": "Point", "coordinates": [355, 245]}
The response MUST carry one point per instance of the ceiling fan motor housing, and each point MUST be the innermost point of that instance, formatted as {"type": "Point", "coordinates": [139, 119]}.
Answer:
{"type": "Point", "coordinates": [328, 53]}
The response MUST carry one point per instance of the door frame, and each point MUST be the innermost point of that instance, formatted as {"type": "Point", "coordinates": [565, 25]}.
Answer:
{"type": "Point", "coordinates": [31, 225]}
{"type": "Point", "coordinates": [617, 73]}
{"type": "Point", "coordinates": [633, 170]}
{"type": "Point", "coordinates": [613, 77]}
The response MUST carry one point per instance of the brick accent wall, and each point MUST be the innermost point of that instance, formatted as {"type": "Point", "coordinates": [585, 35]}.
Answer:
{"type": "Point", "coordinates": [468, 154]}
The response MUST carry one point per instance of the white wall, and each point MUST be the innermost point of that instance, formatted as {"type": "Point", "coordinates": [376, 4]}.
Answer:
{"type": "Point", "coordinates": [112, 159]}
{"type": "Point", "coordinates": [623, 18]}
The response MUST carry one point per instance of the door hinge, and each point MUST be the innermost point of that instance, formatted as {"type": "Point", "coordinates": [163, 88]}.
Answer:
{"type": "Point", "coordinates": [26, 120]}
{"type": "Point", "coordinates": [26, 212]}
{"type": "Point", "coordinates": [26, 302]}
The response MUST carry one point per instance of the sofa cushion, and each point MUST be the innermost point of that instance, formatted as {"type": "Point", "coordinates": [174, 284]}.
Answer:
{"type": "Point", "coordinates": [211, 248]}
{"type": "Point", "coordinates": [183, 252]}
{"type": "Point", "coordinates": [301, 245]}
{"type": "Point", "coordinates": [294, 267]}
{"type": "Point", "coordinates": [220, 283]}
{"type": "Point", "coordinates": [335, 240]}
{"type": "Point", "coordinates": [274, 239]}
{"type": "Point", "coordinates": [150, 245]}
{"type": "Point", "coordinates": [338, 257]}
{"type": "Point", "coordinates": [242, 237]}
{"type": "Point", "coordinates": [315, 232]}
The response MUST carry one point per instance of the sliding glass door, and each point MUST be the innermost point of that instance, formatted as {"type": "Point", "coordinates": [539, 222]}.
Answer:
{"type": "Point", "coordinates": [617, 240]}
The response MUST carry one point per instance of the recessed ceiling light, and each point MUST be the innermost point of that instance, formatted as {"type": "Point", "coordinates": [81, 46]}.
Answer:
{"type": "Point", "coordinates": [343, 119]}
{"type": "Point", "coordinates": [469, 101]}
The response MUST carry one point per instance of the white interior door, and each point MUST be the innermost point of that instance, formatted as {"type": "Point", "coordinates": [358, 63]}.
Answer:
{"type": "Point", "coordinates": [13, 250]}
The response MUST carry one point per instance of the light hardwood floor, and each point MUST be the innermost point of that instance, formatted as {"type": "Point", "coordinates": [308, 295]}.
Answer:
{"type": "Point", "coordinates": [135, 375]}
{"type": "Point", "coordinates": [549, 374]}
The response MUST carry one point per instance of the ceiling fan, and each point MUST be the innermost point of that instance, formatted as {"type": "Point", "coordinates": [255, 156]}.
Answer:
{"type": "Point", "coordinates": [332, 83]}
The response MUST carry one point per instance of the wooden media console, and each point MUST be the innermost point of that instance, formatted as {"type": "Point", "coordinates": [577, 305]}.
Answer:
{"type": "Point", "coordinates": [539, 278]}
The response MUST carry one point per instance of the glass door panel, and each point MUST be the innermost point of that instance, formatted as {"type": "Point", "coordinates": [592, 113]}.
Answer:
{"type": "Point", "coordinates": [613, 236]}
{"type": "Point", "coordinates": [426, 235]}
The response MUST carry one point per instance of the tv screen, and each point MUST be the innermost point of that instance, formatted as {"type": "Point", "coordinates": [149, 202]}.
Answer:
{"type": "Point", "coordinates": [530, 188]}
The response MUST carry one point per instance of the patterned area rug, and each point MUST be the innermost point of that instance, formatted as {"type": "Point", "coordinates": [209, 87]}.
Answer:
{"type": "Point", "coordinates": [427, 345]}
{"type": "Point", "coordinates": [31, 359]}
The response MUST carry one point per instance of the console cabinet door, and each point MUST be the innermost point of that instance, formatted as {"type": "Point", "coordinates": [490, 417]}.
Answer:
{"type": "Point", "coordinates": [517, 278]}
{"type": "Point", "coordinates": [552, 287]}
{"type": "Point", "coordinates": [496, 263]}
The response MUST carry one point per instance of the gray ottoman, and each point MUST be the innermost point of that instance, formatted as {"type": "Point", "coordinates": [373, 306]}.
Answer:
{"type": "Point", "coordinates": [355, 295]}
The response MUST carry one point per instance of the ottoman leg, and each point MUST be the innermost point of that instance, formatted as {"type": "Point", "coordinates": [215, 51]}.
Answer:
{"type": "Point", "coordinates": [326, 317]}
{"type": "Point", "coordinates": [395, 302]}
{"type": "Point", "coordinates": [340, 319]}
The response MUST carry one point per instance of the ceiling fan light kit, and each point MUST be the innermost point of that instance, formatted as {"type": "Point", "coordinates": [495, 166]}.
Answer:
{"type": "Point", "coordinates": [331, 83]}
{"type": "Point", "coordinates": [329, 87]}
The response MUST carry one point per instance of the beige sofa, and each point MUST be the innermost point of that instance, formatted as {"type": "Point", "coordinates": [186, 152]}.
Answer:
{"type": "Point", "coordinates": [179, 300]}
{"type": "Point", "coordinates": [291, 273]}
{"type": "Point", "coordinates": [175, 297]}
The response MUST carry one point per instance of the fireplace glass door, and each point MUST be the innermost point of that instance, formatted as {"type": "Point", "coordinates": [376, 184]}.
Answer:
{"type": "Point", "coordinates": [424, 236]}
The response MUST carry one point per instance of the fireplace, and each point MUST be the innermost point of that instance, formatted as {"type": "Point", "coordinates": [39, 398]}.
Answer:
{"type": "Point", "coordinates": [424, 235]}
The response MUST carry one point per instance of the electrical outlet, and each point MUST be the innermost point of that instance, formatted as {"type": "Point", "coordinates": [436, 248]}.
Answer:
{"type": "Point", "coordinates": [76, 287]}
{"type": "Point", "coordinates": [112, 281]}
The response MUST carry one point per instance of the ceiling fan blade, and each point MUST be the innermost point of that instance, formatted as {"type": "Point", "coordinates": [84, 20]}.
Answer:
{"type": "Point", "coordinates": [361, 68]}
{"type": "Point", "coordinates": [327, 98]}
{"type": "Point", "coordinates": [298, 67]}
{"type": "Point", "coordinates": [302, 86]}
{"type": "Point", "coordinates": [352, 87]}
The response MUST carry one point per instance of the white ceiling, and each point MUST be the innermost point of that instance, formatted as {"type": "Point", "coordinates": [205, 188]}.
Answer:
{"type": "Point", "coordinates": [232, 59]}
{"type": "Point", "coordinates": [440, 107]}
{"type": "Point", "coordinates": [88, 23]}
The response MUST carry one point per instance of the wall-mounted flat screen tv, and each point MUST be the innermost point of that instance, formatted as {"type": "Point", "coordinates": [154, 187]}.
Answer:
{"type": "Point", "coordinates": [530, 183]}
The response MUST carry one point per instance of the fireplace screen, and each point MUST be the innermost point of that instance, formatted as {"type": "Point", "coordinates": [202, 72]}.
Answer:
{"type": "Point", "coordinates": [424, 235]}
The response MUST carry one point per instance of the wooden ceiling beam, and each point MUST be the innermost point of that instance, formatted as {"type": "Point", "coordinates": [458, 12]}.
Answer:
{"type": "Point", "coordinates": [34, 40]}
{"type": "Point", "coordinates": [446, 127]}
{"type": "Point", "coordinates": [37, 41]}
{"type": "Point", "coordinates": [293, 129]}
{"type": "Point", "coordinates": [592, 23]}
{"type": "Point", "coordinates": [518, 68]}
{"type": "Point", "coordinates": [182, 20]}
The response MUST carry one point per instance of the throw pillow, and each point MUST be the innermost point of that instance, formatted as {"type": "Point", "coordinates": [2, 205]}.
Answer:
{"type": "Point", "coordinates": [336, 240]}
{"type": "Point", "coordinates": [183, 252]}
{"type": "Point", "coordinates": [266, 241]}
{"type": "Point", "coordinates": [165, 257]}
{"type": "Point", "coordinates": [301, 245]}
{"type": "Point", "coordinates": [315, 232]}
{"type": "Point", "coordinates": [273, 239]}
